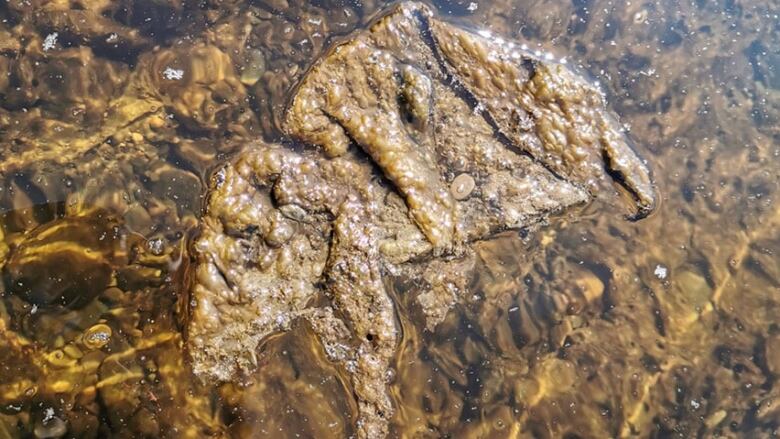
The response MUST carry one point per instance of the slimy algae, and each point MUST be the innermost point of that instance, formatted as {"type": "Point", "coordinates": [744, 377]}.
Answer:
{"type": "Point", "coordinates": [427, 139]}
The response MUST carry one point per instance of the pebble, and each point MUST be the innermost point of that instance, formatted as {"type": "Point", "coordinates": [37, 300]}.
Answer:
{"type": "Point", "coordinates": [51, 427]}
{"type": "Point", "coordinates": [254, 68]}
{"type": "Point", "coordinates": [462, 186]}
{"type": "Point", "coordinates": [97, 336]}
{"type": "Point", "coordinates": [137, 137]}
{"type": "Point", "coordinates": [156, 246]}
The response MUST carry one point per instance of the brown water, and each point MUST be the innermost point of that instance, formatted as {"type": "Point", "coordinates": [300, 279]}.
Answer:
{"type": "Point", "coordinates": [593, 327]}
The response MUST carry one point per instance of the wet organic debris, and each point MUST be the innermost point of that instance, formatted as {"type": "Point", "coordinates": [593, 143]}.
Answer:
{"type": "Point", "coordinates": [434, 174]}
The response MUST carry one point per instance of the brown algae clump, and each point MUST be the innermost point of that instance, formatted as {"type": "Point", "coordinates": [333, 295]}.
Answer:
{"type": "Point", "coordinates": [408, 176]}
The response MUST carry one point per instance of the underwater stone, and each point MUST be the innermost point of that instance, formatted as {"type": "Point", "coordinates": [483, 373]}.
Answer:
{"type": "Point", "coordinates": [65, 262]}
{"type": "Point", "coordinates": [462, 186]}
{"type": "Point", "coordinates": [97, 336]}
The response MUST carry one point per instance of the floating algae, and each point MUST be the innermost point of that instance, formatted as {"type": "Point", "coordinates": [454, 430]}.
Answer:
{"type": "Point", "coordinates": [395, 94]}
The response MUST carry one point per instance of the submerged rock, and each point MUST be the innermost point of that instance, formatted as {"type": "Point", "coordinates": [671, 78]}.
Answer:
{"type": "Point", "coordinates": [430, 138]}
{"type": "Point", "coordinates": [66, 262]}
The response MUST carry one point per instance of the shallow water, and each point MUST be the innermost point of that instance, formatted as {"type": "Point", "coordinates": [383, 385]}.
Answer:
{"type": "Point", "coordinates": [592, 327]}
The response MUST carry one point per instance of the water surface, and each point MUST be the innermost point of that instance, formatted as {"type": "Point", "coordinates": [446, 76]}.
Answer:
{"type": "Point", "coordinates": [593, 327]}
